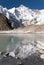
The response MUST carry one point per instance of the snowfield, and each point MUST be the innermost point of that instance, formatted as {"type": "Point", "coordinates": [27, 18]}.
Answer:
{"type": "Point", "coordinates": [24, 16]}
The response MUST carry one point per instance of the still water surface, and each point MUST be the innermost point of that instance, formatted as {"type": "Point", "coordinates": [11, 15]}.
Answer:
{"type": "Point", "coordinates": [26, 45]}
{"type": "Point", "coordinates": [12, 40]}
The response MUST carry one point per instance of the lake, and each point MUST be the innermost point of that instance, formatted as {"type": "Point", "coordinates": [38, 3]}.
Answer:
{"type": "Point", "coordinates": [12, 40]}
{"type": "Point", "coordinates": [21, 41]}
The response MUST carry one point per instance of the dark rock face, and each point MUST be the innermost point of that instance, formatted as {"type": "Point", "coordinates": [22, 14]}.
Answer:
{"type": "Point", "coordinates": [4, 23]}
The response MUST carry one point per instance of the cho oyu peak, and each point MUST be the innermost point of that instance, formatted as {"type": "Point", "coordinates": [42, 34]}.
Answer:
{"type": "Point", "coordinates": [23, 16]}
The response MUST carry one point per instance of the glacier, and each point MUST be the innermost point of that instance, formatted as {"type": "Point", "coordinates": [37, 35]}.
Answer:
{"type": "Point", "coordinates": [23, 16]}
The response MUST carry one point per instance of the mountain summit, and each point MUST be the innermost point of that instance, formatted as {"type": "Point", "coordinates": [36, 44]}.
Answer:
{"type": "Point", "coordinates": [23, 16]}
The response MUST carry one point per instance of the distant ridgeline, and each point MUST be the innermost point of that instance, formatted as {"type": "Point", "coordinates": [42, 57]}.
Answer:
{"type": "Point", "coordinates": [20, 17]}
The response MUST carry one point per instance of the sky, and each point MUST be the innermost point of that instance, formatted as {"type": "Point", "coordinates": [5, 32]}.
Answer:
{"type": "Point", "coordinates": [33, 4]}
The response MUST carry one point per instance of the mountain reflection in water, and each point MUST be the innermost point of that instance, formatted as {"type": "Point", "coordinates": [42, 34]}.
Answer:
{"type": "Point", "coordinates": [25, 47]}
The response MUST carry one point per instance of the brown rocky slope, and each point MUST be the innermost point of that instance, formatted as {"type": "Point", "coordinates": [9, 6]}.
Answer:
{"type": "Point", "coordinates": [32, 28]}
{"type": "Point", "coordinates": [4, 25]}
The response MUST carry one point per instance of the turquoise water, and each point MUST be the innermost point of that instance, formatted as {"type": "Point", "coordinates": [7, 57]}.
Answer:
{"type": "Point", "coordinates": [12, 40]}
{"type": "Point", "coordinates": [6, 41]}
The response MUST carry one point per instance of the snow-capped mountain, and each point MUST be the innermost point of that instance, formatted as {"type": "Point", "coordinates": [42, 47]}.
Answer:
{"type": "Point", "coordinates": [23, 16]}
{"type": "Point", "coordinates": [30, 16]}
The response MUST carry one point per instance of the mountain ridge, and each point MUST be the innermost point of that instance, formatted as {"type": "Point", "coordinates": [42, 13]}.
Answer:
{"type": "Point", "coordinates": [24, 19]}
{"type": "Point", "coordinates": [23, 15]}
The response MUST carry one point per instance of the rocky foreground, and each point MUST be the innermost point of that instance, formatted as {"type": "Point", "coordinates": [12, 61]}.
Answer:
{"type": "Point", "coordinates": [32, 60]}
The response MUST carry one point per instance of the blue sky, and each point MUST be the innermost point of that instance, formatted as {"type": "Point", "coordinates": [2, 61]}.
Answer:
{"type": "Point", "coordinates": [34, 4]}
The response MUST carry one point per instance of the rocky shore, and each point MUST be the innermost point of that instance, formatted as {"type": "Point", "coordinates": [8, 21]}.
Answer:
{"type": "Point", "coordinates": [27, 29]}
{"type": "Point", "coordinates": [31, 60]}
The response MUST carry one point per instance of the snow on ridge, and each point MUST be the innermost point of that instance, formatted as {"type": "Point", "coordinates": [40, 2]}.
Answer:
{"type": "Point", "coordinates": [23, 15]}
{"type": "Point", "coordinates": [12, 10]}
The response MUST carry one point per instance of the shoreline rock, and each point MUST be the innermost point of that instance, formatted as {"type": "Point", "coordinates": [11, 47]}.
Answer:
{"type": "Point", "coordinates": [31, 60]}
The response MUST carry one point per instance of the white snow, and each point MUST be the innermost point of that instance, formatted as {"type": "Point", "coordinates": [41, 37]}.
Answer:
{"type": "Point", "coordinates": [12, 10]}
{"type": "Point", "coordinates": [24, 15]}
